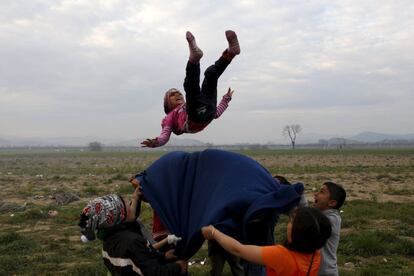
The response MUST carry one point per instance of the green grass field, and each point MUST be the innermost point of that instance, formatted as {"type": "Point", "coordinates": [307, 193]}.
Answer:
{"type": "Point", "coordinates": [377, 236]}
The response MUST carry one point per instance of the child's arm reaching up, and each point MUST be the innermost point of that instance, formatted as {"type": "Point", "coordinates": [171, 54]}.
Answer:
{"type": "Point", "coordinates": [224, 103]}
{"type": "Point", "coordinates": [132, 212]}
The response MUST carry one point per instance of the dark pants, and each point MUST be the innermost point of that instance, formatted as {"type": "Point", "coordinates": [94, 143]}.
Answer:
{"type": "Point", "coordinates": [218, 256]}
{"type": "Point", "coordinates": [261, 233]}
{"type": "Point", "coordinates": [201, 103]}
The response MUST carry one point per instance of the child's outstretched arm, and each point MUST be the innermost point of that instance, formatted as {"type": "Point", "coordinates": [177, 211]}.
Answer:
{"type": "Point", "coordinates": [135, 200]}
{"type": "Point", "coordinates": [170, 239]}
{"type": "Point", "coordinates": [136, 195]}
{"type": "Point", "coordinates": [224, 103]}
{"type": "Point", "coordinates": [160, 140]}
{"type": "Point", "coordinates": [251, 253]}
{"type": "Point", "coordinates": [150, 143]}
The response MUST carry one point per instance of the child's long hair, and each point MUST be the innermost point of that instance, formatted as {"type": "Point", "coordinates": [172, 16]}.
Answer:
{"type": "Point", "coordinates": [310, 230]}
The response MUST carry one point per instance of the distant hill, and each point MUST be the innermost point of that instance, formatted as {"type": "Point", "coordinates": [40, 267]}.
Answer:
{"type": "Point", "coordinates": [84, 141]}
{"type": "Point", "coordinates": [303, 138]}
{"type": "Point", "coordinates": [373, 137]}
{"type": "Point", "coordinates": [342, 141]}
{"type": "Point", "coordinates": [367, 137]}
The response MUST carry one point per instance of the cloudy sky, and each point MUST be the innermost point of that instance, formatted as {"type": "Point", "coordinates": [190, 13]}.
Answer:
{"type": "Point", "coordinates": [101, 67]}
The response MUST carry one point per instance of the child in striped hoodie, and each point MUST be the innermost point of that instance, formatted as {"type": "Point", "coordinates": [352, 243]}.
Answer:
{"type": "Point", "coordinates": [200, 106]}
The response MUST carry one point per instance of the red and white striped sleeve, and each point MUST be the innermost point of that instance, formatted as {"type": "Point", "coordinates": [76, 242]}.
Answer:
{"type": "Point", "coordinates": [222, 106]}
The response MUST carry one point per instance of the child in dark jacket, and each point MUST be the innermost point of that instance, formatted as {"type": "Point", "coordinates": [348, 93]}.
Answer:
{"type": "Point", "coordinates": [126, 251]}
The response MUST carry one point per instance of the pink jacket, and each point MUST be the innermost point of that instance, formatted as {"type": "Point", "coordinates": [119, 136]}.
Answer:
{"type": "Point", "coordinates": [177, 121]}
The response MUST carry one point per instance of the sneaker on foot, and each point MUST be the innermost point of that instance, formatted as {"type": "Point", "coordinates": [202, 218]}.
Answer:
{"type": "Point", "coordinates": [195, 53]}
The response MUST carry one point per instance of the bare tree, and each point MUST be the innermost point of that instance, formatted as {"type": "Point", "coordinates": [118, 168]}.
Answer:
{"type": "Point", "coordinates": [292, 131]}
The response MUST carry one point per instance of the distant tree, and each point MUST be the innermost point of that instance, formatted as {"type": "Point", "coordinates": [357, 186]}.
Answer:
{"type": "Point", "coordinates": [292, 131]}
{"type": "Point", "coordinates": [95, 146]}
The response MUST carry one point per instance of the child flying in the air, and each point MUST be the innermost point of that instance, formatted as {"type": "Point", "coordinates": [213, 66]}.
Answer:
{"type": "Point", "coordinates": [200, 106]}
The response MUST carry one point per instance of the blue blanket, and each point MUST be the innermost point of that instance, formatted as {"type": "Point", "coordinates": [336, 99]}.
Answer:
{"type": "Point", "coordinates": [226, 189]}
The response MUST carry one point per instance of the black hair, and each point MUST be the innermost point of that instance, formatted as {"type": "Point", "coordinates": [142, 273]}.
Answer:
{"type": "Point", "coordinates": [310, 230]}
{"type": "Point", "coordinates": [337, 193]}
{"type": "Point", "coordinates": [83, 221]}
{"type": "Point", "coordinates": [282, 179]}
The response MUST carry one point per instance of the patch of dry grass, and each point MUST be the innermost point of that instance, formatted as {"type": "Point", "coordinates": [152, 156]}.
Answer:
{"type": "Point", "coordinates": [380, 186]}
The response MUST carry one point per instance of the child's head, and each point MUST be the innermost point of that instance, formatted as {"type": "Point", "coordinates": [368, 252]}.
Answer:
{"type": "Point", "coordinates": [330, 196]}
{"type": "Point", "coordinates": [104, 212]}
{"type": "Point", "coordinates": [172, 99]}
{"type": "Point", "coordinates": [308, 229]}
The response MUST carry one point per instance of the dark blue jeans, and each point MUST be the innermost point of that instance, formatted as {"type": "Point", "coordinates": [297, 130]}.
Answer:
{"type": "Point", "coordinates": [261, 232]}
{"type": "Point", "coordinates": [201, 102]}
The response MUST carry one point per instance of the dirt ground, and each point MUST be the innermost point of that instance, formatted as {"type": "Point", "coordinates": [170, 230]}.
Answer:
{"type": "Point", "coordinates": [367, 176]}
{"type": "Point", "coordinates": [33, 181]}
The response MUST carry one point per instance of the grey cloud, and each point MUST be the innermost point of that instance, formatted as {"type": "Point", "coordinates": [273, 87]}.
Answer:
{"type": "Point", "coordinates": [114, 57]}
